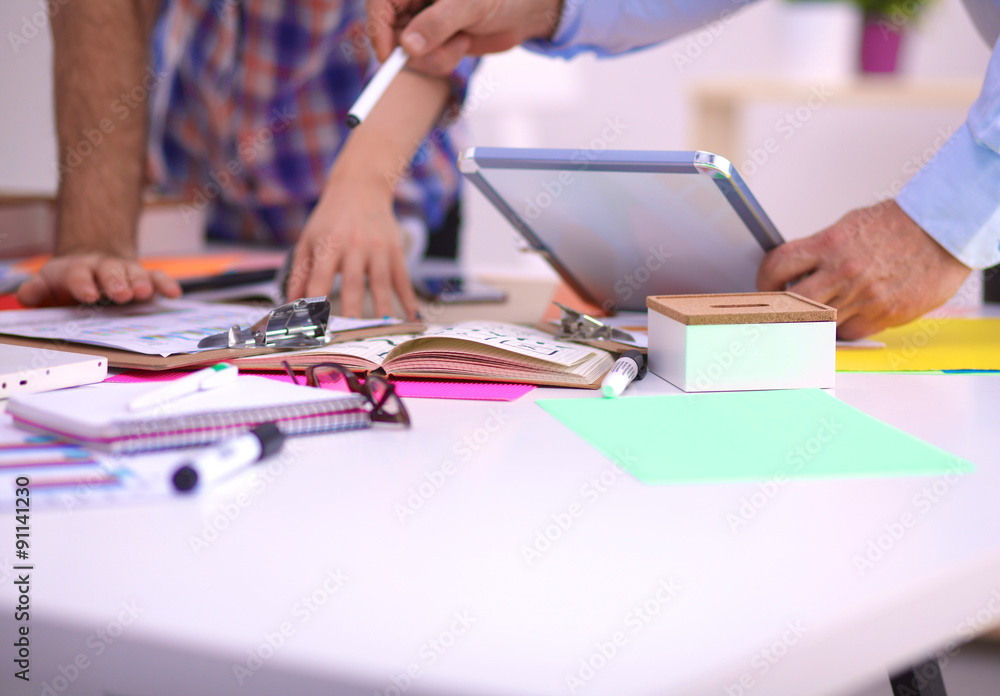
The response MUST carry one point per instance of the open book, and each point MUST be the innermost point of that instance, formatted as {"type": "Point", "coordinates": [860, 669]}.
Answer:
{"type": "Point", "coordinates": [473, 350]}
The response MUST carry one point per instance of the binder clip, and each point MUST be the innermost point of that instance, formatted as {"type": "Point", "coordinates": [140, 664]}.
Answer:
{"type": "Point", "coordinates": [576, 326]}
{"type": "Point", "coordinates": [299, 324]}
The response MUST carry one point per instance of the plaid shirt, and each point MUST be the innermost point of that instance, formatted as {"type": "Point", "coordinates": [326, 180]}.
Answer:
{"type": "Point", "coordinates": [250, 109]}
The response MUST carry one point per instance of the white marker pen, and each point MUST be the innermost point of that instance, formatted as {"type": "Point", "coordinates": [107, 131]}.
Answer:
{"type": "Point", "coordinates": [630, 366]}
{"type": "Point", "coordinates": [228, 457]}
{"type": "Point", "coordinates": [377, 86]}
{"type": "Point", "coordinates": [218, 375]}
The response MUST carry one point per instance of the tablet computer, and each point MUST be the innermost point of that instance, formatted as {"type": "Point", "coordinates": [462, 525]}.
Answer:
{"type": "Point", "coordinates": [621, 225]}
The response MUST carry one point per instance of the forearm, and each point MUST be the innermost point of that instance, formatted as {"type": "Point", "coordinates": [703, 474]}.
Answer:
{"type": "Point", "coordinates": [353, 230]}
{"type": "Point", "coordinates": [100, 60]}
{"type": "Point", "coordinates": [954, 197]}
{"type": "Point", "coordinates": [379, 151]}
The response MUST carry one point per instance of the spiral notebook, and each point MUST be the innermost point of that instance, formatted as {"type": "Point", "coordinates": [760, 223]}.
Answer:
{"type": "Point", "coordinates": [98, 416]}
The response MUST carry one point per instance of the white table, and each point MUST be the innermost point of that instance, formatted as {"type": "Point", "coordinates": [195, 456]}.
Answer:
{"type": "Point", "coordinates": [444, 602]}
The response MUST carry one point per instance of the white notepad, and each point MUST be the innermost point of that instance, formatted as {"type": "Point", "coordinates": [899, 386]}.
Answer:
{"type": "Point", "coordinates": [98, 416]}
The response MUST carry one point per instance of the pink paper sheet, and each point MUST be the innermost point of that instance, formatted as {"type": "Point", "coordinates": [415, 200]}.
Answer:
{"type": "Point", "coordinates": [406, 388]}
{"type": "Point", "coordinates": [479, 391]}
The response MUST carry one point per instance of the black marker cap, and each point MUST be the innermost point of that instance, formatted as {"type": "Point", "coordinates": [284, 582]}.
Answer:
{"type": "Point", "coordinates": [271, 439]}
{"type": "Point", "coordinates": [185, 479]}
{"type": "Point", "coordinates": [639, 359]}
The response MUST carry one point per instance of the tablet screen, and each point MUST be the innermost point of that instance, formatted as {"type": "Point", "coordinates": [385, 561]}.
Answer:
{"type": "Point", "coordinates": [623, 235]}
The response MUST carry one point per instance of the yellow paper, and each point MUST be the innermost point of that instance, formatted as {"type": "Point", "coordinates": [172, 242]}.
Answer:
{"type": "Point", "coordinates": [929, 344]}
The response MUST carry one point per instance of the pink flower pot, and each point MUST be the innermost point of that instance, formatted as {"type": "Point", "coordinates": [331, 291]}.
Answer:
{"type": "Point", "coordinates": [880, 42]}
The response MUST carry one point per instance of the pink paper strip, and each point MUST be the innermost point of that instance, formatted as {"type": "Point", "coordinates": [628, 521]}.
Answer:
{"type": "Point", "coordinates": [478, 391]}
{"type": "Point", "coordinates": [130, 376]}
{"type": "Point", "coordinates": [406, 388]}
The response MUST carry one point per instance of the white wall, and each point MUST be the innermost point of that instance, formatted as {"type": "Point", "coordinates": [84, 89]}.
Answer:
{"type": "Point", "coordinates": [838, 160]}
{"type": "Point", "coordinates": [27, 131]}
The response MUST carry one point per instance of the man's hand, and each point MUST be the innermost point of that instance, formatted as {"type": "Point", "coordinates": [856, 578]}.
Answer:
{"type": "Point", "coordinates": [875, 265]}
{"type": "Point", "coordinates": [438, 37]}
{"type": "Point", "coordinates": [100, 51]}
{"type": "Point", "coordinates": [87, 278]}
{"type": "Point", "coordinates": [353, 232]}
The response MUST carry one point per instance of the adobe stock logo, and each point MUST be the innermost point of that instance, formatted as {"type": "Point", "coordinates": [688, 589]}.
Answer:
{"type": "Point", "coordinates": [560, 522]}
{"type": "Point", "coordinates": [35, 24]}
{"type": "Point", "coordinates": [429, 653]}
{"type": "Point", "coordinates": [765, 659]}
{"type": "Point", "coordinates": [563, 180]}
{"type": "Point", "coordinates": [607, 649]}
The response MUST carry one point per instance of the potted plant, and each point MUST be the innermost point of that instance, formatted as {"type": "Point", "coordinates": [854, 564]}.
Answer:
{"type": "Point", "coordinates": [882, 31]}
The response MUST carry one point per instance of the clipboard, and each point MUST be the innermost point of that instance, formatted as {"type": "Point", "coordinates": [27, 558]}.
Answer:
{"type": "Point", "coordinates": [126, 359]}
{"type": "Point", "coordinates": [582, 328]}
{"type": "Point", "coordinates": [273, 338]}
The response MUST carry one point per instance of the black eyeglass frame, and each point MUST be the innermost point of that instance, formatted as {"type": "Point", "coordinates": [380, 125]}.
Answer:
{"type": "Point", "coordinates": [378, 412]}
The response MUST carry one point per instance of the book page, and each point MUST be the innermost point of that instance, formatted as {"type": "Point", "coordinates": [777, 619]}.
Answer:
{"type": "Point", "coordinates": [449, 356]}
{"type": "Point", "coordinates": [521, 340]}
{"type": "Point", "coordinates": [371, 352]}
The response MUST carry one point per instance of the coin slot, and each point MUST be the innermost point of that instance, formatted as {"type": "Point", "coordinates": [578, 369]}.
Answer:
{"type": "Point", "coordinates": [735, 306]}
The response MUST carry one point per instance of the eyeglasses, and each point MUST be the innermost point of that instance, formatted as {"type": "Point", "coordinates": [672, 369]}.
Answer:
{"type": "Point", "coordinates": [386, 406]}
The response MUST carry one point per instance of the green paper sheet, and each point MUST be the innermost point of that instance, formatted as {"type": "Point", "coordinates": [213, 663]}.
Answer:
{"type": "Point", "coordinates": [747, 436]}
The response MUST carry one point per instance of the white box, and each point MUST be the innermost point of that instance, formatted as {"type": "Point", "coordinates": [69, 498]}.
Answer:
{"type": "Point", "coordinates": [27, 370]}
{"type": "Point", "coordinates": [739, 342]}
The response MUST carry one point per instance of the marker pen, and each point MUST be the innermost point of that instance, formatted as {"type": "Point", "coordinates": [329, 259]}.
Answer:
{"type": "Point", "coordinates": [217, 375]}
{"type": "Point", "coordinates": [630, 366]}
{"type": "Point", "coordinates": [377, 86]}
{"type": "Point", "coordinates": [228, 458]}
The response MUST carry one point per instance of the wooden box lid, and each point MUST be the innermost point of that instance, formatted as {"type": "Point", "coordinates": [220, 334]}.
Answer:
{"type": "Point", "coordinates": [740, 308]}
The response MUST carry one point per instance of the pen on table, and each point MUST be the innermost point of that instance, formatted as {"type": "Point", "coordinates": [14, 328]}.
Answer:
{"type": "Point", "coordinates": [630, 366]}
{"type": "Point", "coordinates": [202, 380]}
{"type": "Point", "coordinates": [377, 86]}
{"type": "Point", "coordinates": [228, 457]}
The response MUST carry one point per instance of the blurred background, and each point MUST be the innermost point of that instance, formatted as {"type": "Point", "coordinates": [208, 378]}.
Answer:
{"type": "Point", "coordinates": [775, 88]}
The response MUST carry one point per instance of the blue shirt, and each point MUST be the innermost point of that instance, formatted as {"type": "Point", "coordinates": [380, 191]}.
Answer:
{"type": "Point", "coordinates": [955, 197]}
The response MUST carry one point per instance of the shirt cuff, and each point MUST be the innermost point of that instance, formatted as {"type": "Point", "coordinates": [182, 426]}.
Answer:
{"type": "Point", "coordinates": [568, 26]}
{"type": "Point", "coordinates": [954, 200]}
{"type": "Point", "coordinates": [583, 27]}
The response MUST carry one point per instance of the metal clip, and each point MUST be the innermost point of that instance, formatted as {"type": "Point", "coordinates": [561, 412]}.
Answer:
{"type": "Point", "coordinates": [576, 326]}
{"type": "Point", "coordinates": [299, 324]}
